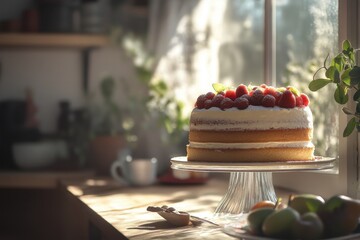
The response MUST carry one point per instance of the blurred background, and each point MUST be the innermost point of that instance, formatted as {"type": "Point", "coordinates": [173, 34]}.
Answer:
{"type": "Point", "coordinates": [84, 81]}
{"type": "Point", "coordinates": [125, 73]}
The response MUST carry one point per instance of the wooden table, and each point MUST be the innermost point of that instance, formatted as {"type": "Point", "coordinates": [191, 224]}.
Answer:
{"type": "Point", "coordinates": [116, 211]}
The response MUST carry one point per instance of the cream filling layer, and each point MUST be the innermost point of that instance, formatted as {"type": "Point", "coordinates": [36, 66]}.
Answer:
{"type": "Point", "coordinates": [252, 118]}
{"type": "Point", "coordinates": [213, 145]}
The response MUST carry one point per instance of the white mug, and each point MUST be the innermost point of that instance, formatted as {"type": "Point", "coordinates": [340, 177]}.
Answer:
{"type": "Point", "coordinates": [136, 172]}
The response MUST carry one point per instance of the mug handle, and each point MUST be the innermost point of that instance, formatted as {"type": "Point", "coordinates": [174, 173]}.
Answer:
{"type": "Point", "coordinates": [123, 155]}
{"type": "Point", "coordinates": [114, 171]}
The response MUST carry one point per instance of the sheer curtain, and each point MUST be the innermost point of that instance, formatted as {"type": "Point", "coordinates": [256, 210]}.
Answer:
{"type": "Point", "coordinates": [201, 42]}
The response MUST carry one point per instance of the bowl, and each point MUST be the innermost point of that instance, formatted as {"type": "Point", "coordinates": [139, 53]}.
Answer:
{"type": "Point", "coordinates": [36, 155]}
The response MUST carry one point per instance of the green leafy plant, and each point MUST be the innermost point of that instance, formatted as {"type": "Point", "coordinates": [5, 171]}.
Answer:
{"type": "Point", "coordinates": [106, 120]}
{"type": "Point", "coordinates": [345, 74]}
{"type": "Point", "coordinates": [156, 102]}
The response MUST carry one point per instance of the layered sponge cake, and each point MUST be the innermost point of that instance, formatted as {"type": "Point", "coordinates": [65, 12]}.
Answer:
{"type": "Point", "coordinates": [251, 124]}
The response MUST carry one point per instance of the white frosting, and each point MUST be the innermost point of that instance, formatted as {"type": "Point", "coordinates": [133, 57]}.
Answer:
{"type": "Point", "coordinates": [251, 118]}
{"type": "Point", "coordinates": [213, 145]}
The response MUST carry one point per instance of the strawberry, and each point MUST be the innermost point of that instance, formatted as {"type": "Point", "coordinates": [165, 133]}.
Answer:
{"type": "Point", "coordinates": [226, 103]}
{"type": "Point", "coordinates": [287, 100]}
{"type": "Point", "coordinates": [241, 103]}
{"type": "Point", "coordinates": [200, 101]}
{"type": "Point", "coordinates": [217, 100]}
{"type": "Point", "coordinates": [256, 97]}
{"type": "Point", "coordinates": [299, 101]}
{"type": "Point", "coordinates": [268, 101]}
{"type": "Point", "coordinates": [241, 90]}
{"type": "Point", "coordinates": [230, 94]}
{"type": "Point", "coordinates": [210, 95]}
{"type": "Point", "coordinates": [305, 99]}
{"type": "Point", "coordinates": [270, 91]}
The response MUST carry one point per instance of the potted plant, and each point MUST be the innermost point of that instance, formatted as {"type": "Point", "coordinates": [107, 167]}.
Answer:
{"type": "Point", "coordinates": [154, 119]}
{"type": "Point", "coordinates": [106, 128]}
{"type": "Point", "coordinates": [344, 73]}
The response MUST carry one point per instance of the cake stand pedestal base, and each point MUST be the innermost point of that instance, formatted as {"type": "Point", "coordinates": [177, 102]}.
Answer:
{"type": "Point", "coordinates": [245, 189]}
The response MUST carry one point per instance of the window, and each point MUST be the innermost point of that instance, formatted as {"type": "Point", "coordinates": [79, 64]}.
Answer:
{"type": "Point", "coordinates": [278, 42]}
{"type": "Point", "coordinates": [327, 27]}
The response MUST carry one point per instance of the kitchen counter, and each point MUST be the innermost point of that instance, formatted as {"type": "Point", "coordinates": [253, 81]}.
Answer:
{"type": "Point", "coordinates": [115, 211]}
{"type": "Point", "coordinates": [39, 179]}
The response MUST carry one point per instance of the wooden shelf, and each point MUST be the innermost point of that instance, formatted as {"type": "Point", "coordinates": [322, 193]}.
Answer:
{"type": "Point", "coordinates": [52, 40]}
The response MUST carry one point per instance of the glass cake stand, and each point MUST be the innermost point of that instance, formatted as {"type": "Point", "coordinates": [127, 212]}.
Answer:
{"type": "Point", "coordinates": [250, 182]}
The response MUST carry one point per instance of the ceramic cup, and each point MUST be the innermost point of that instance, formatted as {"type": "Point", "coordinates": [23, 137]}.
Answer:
{"type": "Point", "coordinates": [136, 172]}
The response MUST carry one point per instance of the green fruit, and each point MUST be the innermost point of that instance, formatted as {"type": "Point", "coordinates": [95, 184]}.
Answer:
{"type": "Point", "coordinates": [309, 227]}
{"type": "Point", "coordinates": [340, 215]}
{"type": "Point", "coordinates": [256, 218]}
{"type": "Point", "coordinates": [306, 203]}
{"type": "Point", "coordinates": [279, 223]}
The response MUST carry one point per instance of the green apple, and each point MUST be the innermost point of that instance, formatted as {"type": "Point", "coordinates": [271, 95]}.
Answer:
{"type": "Point", "coordinates": [279, 223]}
{"type": "Point", "coordinates": [304, 203]}
{"type": "Point", "coordinates": [309, 227]}
{"type": "Point", "coordinates": [340, 215]}
{"type": "Point", "coordinates": [256, 218]}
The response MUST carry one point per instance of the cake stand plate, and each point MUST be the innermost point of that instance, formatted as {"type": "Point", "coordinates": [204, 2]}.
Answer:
{"type": "Point", "coordinates": [320, 163]}
{"type": "Point", "coordinates": [250, 182]}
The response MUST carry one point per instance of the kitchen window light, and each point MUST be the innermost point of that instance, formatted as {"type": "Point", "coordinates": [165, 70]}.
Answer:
{"type": "Point", "coordinates": [273, 41]}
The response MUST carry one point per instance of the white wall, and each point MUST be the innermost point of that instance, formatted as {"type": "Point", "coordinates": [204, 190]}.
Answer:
{"type": "Point", "coordinates": [55, 75]}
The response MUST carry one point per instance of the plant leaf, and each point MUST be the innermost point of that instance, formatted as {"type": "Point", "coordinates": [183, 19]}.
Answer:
{"type": "Point", "coordinates": [341, 95]}
{"type": "Point", "coordinates": [345, 78]}
{"type": "Point", "coordinates": [347, 111]}
{"type": "Point", "coordinates": [346, 45]}
{"type": "Point", "coordinates": [358, 108]}
{"type": "Point", "coordinates": [316, 84]}
{"type": "Point", "coordinates": [218, 87]}
{"type": "Point", "coordinates": [355, 75]}
{"type": "Point", "coordinates": [333, 74]}
{"type": "Point", "coordinates": [356, 96]}
{"type": "Point", "coordinates": [349, 127]}
{"type": "Point", "coordinates": [337, 62]}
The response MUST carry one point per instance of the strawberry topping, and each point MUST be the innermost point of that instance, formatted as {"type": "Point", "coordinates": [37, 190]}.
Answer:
{"type": "Point", "coordinates": [262, 95]}
{"type": "Point", "coordinates": [230, 94]}
{"type": "Point", "coordinates": [287, 100]}
{"type": "Point", "coordinates": [305, 99]}
{"type": "Point", "coordinates": [241, 90]}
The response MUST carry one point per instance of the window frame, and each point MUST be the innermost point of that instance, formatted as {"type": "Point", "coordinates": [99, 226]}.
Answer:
{"type": "Point", "coordinates": [346, 180]}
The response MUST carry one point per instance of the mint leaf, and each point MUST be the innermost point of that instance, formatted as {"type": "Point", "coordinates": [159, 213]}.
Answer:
{"type": "Point", "coordinates": [295, 91]}
{"type": "Point", "coordinates": [318, 83]}
{"type": "Point", "coordinates": [218, 87]}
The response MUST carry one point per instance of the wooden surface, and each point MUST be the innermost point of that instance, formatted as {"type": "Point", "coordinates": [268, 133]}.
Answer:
{"type": "Point", "coordinates": [52, 40]}
{"type": "Point", "coordinates": [119, 212]}
{"type": "Point", "coordinates": [39, 179]}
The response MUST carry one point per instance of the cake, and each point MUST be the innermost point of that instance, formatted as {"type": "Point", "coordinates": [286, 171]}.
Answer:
{"type": "Point", "coordinates": [251, 124]}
